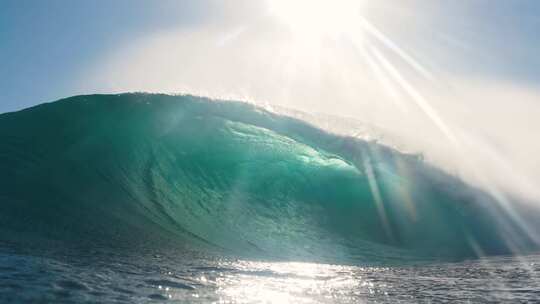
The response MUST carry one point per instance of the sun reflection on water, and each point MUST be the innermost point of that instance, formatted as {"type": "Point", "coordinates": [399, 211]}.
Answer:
{"type": "Point", "coordinates": [282, 282]}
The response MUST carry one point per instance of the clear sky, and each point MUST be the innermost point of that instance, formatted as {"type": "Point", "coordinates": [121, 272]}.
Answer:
{"type": "Point", "coordinates": [46, 45]}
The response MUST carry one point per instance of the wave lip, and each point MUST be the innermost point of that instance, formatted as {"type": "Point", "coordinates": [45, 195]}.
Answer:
{"type": "Point", "coordinates": [153, 169]}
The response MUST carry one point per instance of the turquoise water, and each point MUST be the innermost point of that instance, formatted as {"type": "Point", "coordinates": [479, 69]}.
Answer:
{"type": "Point", "coordinates": [222, 182]}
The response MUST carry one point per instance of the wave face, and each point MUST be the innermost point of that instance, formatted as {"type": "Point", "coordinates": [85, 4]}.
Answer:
{"type": "Point", "coordinates": [153, 169]}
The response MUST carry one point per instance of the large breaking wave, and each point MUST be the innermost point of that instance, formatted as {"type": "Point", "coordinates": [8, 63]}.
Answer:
{"type": "Point", "coordinates": [149, 170]}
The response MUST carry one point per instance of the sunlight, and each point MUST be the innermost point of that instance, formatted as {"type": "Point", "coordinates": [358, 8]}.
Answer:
{"type": "Point", "coordinates": [317, 17]}
{"type": "Point", "coordinates": [292, 282]}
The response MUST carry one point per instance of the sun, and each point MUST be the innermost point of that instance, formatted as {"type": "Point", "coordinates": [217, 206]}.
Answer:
{"type": "Point", "coordinates": [317, 17]}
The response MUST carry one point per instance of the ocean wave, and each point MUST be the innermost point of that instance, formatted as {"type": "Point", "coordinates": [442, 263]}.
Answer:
{"type": "Point", "coordinates": [149, 169]}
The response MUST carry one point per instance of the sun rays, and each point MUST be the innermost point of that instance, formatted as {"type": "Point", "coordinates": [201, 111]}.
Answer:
{"type": "Point", "coordinates": [338, 58]}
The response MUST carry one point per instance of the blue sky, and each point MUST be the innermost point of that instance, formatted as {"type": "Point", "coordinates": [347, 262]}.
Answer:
{"type": "Point", "coordinates": [45, 46]}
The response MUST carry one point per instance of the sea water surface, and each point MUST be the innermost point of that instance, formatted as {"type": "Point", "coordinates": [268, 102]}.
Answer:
{"type": "Point", "coordinates": [101, 275]}
{"type": "Point", "coordinates": [143, 197]}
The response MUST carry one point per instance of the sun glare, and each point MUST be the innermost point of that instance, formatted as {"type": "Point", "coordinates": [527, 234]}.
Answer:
{"type": "Point", "coordinates": [317, 17]}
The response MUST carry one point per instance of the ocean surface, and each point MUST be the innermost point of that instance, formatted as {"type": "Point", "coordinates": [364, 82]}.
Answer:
{"type": "Point", "coordinates": [149, 197]}
{"type": "Point", "coordinates": [100, 275]}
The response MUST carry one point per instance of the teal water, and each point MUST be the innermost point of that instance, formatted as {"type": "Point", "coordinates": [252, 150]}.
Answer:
{"type": "Point", "coordinates": [135, 168]}
{"type": "Point", "coordinates": [200, 177]}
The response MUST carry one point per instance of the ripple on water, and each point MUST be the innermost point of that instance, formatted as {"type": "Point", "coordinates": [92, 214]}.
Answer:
{"type": "Point", "coordinates": [186, 280]}
{"type": "Point", "coordinates": [71, 285]}
{"type": "Point", "coordinates": [169, 283]}
{"type": "Point", "coordinates": [156, 296]}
